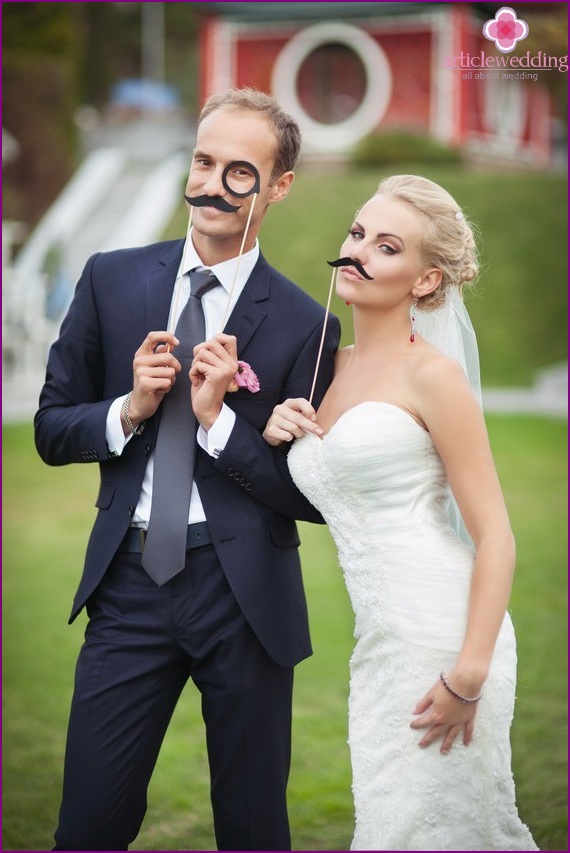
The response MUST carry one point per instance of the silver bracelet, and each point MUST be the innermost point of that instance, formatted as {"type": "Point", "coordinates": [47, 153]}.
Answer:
{"type": "Point", "coordinates": [125, 410]}
{"type": "Point", "coordinates": [461, 698]}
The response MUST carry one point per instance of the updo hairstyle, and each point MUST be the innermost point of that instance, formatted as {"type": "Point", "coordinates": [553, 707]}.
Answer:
{"type": "Point", "coordinates": [447, 242]}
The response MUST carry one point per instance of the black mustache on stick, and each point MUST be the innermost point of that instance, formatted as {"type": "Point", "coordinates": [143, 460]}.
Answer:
{"type": "Point", "coordinates": [212, 201]}
{"type": "Point", "coordinates": [350, 262]}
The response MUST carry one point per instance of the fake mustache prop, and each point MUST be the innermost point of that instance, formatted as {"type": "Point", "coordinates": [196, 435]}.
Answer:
{"type": "Point", "coordinates": [212, 201]}
{"type": "Point", "coordinates": [341, 262]}
{"type": "Point", "coordinates": [349, 262]}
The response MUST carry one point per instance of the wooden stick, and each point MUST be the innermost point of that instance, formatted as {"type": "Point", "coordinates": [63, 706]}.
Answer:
{"type": "Point", "coordinates": [254, 199]}
{"type": "Point", "coordinates": [333, 278]}
{"type": "Point", "coordinates": [177, 296]}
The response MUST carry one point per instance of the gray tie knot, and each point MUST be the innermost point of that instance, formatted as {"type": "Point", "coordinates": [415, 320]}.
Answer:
{"type": "Point", "coordinates": [201, 281]}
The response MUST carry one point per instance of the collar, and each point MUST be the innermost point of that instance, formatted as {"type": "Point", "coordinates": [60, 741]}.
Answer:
{"type": "Point", "coordinates": [226, 270]}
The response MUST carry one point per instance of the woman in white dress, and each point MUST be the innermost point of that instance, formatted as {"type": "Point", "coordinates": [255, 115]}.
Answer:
{"type": "Point", "coordinates": [400, 430]}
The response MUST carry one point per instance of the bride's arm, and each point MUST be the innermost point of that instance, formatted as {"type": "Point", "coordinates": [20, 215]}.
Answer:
{"type": "Point", "coordinates": [457, 426]}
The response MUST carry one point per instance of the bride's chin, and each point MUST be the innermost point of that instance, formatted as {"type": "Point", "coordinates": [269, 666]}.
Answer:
{"type": "Point", "coordinates": [350, 299]}
{"type": "Point", "coordinates": [344, 292]}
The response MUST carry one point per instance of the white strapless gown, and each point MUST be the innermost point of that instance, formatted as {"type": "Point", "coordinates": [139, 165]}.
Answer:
{"type": "Point", "coordinates": [381, 487]}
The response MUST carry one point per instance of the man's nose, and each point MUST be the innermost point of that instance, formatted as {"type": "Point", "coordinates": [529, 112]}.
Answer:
{"type": "Point", "coordinates": [213, 185]}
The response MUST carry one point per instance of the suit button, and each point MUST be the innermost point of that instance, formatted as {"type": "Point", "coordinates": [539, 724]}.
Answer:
{"type": "Point", "coordinates": [248, 487]}
{"type": "Point", "coordinates": [230, 472]}
{"type": "Point", "coordinates": [131, 511]}
{"type": "Point", "coordinates": [237, 475]}
{"type": "Point", "coordinates": [242, 481]}
{"type": "Point", "coordinates": [148, 450]}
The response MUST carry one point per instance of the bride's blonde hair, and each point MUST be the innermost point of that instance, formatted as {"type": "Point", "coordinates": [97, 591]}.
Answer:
{"type": "Point", "coordinates": [448, 242]}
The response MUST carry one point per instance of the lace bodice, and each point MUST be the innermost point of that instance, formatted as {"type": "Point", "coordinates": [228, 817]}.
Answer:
{"type": "Point", "coordinates": [376, 477]}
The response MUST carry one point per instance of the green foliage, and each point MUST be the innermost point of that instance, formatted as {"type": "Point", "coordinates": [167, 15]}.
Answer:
{"type": "Point", "coordinates": [386, 149]}
{"type": "Point", "coordinates": [57, 56]}
{"type": "Point", "coordinates": [111, 37]}
{"type": "Point", "coordinates": [38, 101]}
{"type": "Point", "coordinates": [38, 90]}
{"type": "Point", "coordinates": [182, 63]}
{"type": "Point", "coordinates": [37, 28]}
{"type": "Point", "coordinates": [40, 573]}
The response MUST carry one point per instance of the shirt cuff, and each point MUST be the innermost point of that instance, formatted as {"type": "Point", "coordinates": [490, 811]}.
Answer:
{"type": "Point", "coordinates": [214, 440]}
{"type": "Point", "coordinates": [116, 438]}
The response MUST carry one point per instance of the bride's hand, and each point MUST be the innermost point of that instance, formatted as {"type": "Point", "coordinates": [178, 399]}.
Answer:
{"type": "Point", "coordinates": [445, 717]}
{"type": "Point", "coordinates": [290, 420]}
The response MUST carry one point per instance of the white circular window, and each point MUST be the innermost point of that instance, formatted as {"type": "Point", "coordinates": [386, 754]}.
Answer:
{"type": "Point", "coordinates": [365, 105]}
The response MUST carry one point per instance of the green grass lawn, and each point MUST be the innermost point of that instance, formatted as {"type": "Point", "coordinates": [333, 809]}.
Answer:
{"type": "Point", "coordinates": [47, 515]}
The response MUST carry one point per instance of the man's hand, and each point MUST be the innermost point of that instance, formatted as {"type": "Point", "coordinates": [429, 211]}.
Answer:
{"type": "Point", "coordinates": [213, 368]}
{"type": "Point", "coordinates": [154, 374]}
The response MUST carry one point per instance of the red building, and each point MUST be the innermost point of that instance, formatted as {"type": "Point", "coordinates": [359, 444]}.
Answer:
{"type": "Point", "coordinates": [348, 69]}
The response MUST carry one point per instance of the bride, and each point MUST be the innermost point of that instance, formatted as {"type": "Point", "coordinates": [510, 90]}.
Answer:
{"type": "Point", "coordinates": [398, 442]}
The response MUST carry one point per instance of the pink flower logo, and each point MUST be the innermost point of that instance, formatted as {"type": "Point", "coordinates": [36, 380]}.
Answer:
{"type": "Point", "coordinates": [505, 29]}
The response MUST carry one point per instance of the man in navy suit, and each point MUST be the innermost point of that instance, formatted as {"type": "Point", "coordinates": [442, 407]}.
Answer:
{"type": "Point", "coordinates": [234, 620]}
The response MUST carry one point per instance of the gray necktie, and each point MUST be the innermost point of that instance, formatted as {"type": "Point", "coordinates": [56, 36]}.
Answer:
{"type": "Point", "coordinates": [165, 547]}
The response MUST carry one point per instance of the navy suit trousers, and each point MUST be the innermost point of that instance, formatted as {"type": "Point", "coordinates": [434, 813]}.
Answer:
{"type": "Point", "coordinates": [142, 644]}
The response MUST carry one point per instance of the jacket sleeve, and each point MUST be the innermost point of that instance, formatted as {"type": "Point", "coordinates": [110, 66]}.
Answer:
{"type": "Point", "coordinates": [70, 421]}
{"type": "Point", "coordinates": [248, 457]}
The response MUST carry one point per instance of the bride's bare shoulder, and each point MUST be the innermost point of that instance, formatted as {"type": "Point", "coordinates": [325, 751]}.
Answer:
{"type": "Point", "coordinates": [342, 356]}
{"type": "Point", "coordinates": [438, 373]}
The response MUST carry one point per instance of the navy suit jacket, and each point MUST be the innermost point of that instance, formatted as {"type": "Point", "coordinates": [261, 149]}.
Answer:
{"type": "Point", "coordinates": [249, 498]}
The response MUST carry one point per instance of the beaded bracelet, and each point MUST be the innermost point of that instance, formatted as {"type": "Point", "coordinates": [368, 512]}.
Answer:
{"type": "Point", "coordinates": [125, 410]}
{"type": "Point", "coordinates": [461, 698]}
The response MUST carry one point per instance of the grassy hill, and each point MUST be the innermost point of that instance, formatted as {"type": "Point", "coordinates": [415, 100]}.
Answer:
{"type": "Point", "coordinates": [519, 304]}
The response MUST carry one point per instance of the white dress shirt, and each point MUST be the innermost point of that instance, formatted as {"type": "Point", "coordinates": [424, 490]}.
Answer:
{"type": "Point", "coordinates": [216, 312]}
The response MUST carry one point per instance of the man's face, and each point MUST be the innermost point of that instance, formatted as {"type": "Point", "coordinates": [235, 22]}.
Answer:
{"type": "Point", "coordinates": [224, 137]}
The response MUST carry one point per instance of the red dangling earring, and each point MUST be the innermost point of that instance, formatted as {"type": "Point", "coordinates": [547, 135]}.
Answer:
{"type": "Point", "coordinates": [347, 303]}
{"type": "Point", "coordinates": [413, 318]}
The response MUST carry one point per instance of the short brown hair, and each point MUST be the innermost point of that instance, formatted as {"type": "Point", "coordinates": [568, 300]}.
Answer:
{"type": "Point", "coordinates": [283, 125]}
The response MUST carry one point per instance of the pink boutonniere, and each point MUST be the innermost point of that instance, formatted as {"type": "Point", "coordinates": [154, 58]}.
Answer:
{"type": "Point", "coordinates": [244, 377]}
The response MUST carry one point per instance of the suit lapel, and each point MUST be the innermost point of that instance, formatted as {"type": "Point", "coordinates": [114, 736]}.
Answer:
{"type": "Point", "coordinates": [160, 285]}
{"type": "Point", "coordinates": [248, 313]}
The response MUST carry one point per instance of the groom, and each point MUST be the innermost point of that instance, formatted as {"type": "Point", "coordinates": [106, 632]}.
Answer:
{"type": "Point", "coordinates": [232, 617]}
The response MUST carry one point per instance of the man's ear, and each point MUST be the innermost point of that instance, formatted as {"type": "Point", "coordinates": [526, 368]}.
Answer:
{"type": "Point", "coordinates": [429, 281]}
{"type": "Point", "coordinates": [280, 187]}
